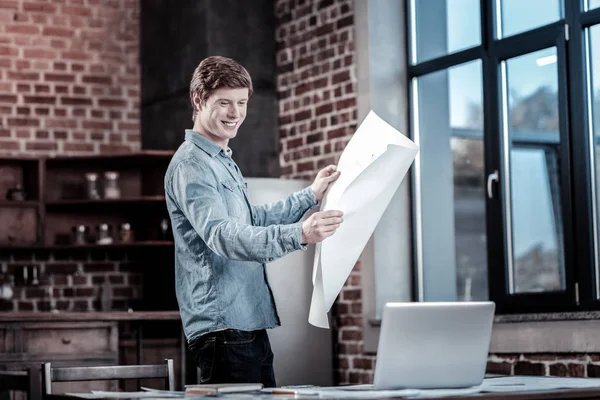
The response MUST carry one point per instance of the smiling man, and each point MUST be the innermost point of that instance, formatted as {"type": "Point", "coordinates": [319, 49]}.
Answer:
{"type": "Point", "coordinates": [222, 241]}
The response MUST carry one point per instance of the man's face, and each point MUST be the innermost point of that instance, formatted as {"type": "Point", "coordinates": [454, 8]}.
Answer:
{"type": "Point", "coordinates": [220, 118]}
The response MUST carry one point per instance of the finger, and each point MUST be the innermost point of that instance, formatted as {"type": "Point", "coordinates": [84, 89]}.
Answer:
{"type": "Point", "coordinates": [330, 230]}
{"type": "Point", "coordinates": [331, 221]}
{"type": "Point", "coordinates": [328, 170]}
{"type": "Point", "coordinates": [333, 176]}
{"type": "Point", "coordinates": [331, 213]}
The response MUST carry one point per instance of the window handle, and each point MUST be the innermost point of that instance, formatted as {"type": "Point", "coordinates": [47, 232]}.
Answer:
{"type": "Point", "coordinates": [493, 177]}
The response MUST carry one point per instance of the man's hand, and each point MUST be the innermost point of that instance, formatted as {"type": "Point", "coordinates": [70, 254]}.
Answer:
{"type": "Point", "coordinates": [323, 179]}
{"type": "Point", "coordinates": [321, 225]}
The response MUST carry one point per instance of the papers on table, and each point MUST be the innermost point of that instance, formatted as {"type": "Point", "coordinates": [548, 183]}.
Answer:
{"type": "Point", "coordinates": [505, 384]}
{"type": "Point", "coordinates": [536, 383]}
{"type": "Point", "coordinates": [372, 167]}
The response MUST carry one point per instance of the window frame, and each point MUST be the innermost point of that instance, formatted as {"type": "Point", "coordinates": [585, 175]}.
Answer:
{"type": "Point", "coordinates": [566, 35]}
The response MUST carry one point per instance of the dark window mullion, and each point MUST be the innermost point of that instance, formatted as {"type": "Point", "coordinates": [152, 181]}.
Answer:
{"type": "Point", "coordinates": [445, 62]}
{"type": "Point", "coordinates": [591, 17]}
{"type": "Point", "coordinates": [583, 257]}
{"type": "Point", "coordinates": [527, 42]}
{"type": "Point", "coordinates": [497, 280]}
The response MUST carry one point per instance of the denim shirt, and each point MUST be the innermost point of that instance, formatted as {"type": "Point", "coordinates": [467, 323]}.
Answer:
{"type": "Point", "coordinates": [222, 241]}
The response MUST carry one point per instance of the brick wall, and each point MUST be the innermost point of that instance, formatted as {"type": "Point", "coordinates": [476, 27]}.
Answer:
{"type": "Point", "coordinates": [69, 76]}
{"type": "Point", "coordinates": [560, 364]}
{"type": "Point", "coordinates": [316, 86]}
{"type": "Point", "coordinates": [71, 281]}
{"type": "Point", "coordinates": [69, 84]}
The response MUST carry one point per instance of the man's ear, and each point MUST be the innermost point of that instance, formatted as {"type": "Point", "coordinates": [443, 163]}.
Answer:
{"type": "Point", "coordinates": [197, 101]}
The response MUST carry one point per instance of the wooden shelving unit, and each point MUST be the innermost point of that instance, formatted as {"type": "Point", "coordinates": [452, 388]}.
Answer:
{"type": "Point", "coordinates": [56, 200]}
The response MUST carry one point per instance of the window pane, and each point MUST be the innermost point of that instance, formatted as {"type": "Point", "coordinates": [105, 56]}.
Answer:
{"type": "Point", "coordinates": [516, 16]}
{"type": "Point", "coordinates": [533, 145]}
{"type": "Point", "coordinates": [594, 71]}
{"type": "Point", "coordinates": [450, 134]}
{"type": "Point", "coordinates": [592, 4]}
{"type": "Point", "coordinates": [444, 26]}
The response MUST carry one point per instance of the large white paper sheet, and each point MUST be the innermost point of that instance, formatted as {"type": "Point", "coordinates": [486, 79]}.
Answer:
{"type": "Point", "coordinates": [371, 167]}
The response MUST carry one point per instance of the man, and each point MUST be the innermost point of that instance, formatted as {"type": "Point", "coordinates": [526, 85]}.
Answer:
{"type": "Point", "coordinates": [222, 242]}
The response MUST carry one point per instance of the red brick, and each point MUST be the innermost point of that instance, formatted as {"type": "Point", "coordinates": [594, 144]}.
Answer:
{"type": "Point", "coordinates": [78, 147]}
{"type": "Point", "coordinates": [499, 368]}
{"type": "Point", "coordinates": [528, 368]}
{"type": "Point", "coordinates": [57, 31]}
{"type": "Point", "coordinates": [31, 122]}
{"type": "Point", "coordinates": [324, 109]}
{"type": "Point", "coordinates": [8, 98]}
{"type": "Point", "coordinates": [96, 79]}
{"type": "Point", "coordinates": [302, 115]}
{"type": "Point", "coordinates": [47, 146]}
{"type": "Point", "coordinates": [294, 143]}
{"type": "Point", "coordinates": [23, 76]}
{"type": "Point", "coordinates": [39, 100]}
{"type": "Point", "coordinates": [75, 101]}
{"type": "Point", "coordinates": [39, 7]}
{"type": "Point", "coordinates": [9, 145]}
{"type": "Point", "coordinates": [111, 103]}
{"type": "Point", "coordinates": [22, 29]}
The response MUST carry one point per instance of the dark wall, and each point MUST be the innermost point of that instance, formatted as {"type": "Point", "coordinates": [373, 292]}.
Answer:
{"type": "Point", "coordinates": [175, 37]}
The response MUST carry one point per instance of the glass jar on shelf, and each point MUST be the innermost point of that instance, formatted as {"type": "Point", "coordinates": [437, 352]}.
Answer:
{"type": "Point", "coordinates": [80, 234]}
{"type": "Point", "coordinates": [91, 185]}
{"type": "Point", "coordinates": [104, 234]}
{"type": "Point", "coordinates": [111, 185]}
{"type": "Point", "coordinates": [125, 233]}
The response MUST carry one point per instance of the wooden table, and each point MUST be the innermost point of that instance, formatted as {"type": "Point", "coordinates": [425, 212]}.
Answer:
{"type": "Point", "coordinates": [570, 394]}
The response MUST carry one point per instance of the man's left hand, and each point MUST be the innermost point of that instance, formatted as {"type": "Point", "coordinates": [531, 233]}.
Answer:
{"type": "Point", "coordinates": [323, 179]}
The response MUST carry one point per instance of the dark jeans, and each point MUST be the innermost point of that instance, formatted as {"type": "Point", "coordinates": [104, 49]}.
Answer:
{"type": "Point", "coordinates": [233, 356]}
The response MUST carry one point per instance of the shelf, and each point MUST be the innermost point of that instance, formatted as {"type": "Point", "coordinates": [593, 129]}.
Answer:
{"type": "Point", "coordinates": [90, 246]}
{"type": "Point", "coordinates": [18, 203]}
{"type": "Point", "coordinates": [122, 201]}
{"type": "Point", "coordinates": [115, 161]}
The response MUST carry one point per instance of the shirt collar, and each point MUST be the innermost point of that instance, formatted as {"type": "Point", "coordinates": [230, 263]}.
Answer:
{"type": "Point", "coordinates": [209, 147]}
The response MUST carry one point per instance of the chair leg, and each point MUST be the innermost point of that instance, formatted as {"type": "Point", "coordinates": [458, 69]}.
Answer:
{"type": "Point", "coordinates": [47, 378]}
{"type": "Point", "coordinates": [35, 383]}
{"type": "Point", "coordinates": [171, 374]}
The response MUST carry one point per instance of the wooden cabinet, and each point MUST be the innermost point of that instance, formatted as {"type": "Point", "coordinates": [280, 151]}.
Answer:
{"type": "Point", "coordinates": [57, 198]}
{"type": "Point", "coordinates": [24, 343]}
{"type": "Point", "coordinates": [62, 344]}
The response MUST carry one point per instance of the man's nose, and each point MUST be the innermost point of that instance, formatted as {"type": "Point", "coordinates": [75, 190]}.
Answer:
{"type": "Point", "coordinates": [234, 112]}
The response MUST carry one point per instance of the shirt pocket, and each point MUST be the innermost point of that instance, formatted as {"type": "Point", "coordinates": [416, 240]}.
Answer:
{"type": "Point", "coordinates": [233, 198]}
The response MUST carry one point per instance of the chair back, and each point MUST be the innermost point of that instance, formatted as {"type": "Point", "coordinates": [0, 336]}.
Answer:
{"type": "Point", "coordinates": [104, 373]}
{"type": "Point", "coordinates": [28, 381]}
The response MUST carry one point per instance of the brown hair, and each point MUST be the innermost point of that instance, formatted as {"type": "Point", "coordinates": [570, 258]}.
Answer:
{"type": "Point", "coordinates": [214, 73]}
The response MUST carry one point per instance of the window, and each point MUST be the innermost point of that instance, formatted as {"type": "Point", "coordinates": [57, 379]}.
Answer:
{"type": "Point", "coordinates": [516, 16]}
{"type": "Point", "coordinates": [592, 41]}
{"type": "Point", "coordinates": [444, 28]}
{"type": "Point", "coordinates": [507, 117]}
{"type": "Point", "coordinates": [449, 126]}
{"type": "Point", "coordinates": [590, 4]}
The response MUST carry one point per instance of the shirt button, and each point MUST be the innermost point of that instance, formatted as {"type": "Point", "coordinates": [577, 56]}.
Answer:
{"type": "Point", "coordinates": [270, 258]}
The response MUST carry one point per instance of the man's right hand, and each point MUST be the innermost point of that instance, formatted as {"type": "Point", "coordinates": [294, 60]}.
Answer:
{"type": "Point", "coordinates": [321, 225]}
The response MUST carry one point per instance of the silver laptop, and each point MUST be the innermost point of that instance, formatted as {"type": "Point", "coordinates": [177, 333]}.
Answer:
{"type": "Point", "coordinates": [433, 345]}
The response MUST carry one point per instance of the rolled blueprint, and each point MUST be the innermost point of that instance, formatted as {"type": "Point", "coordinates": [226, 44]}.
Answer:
{"type": "Point", "coordinates": [372, 166]}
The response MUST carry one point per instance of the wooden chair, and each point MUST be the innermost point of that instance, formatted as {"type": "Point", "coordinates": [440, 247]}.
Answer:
{"type": "Point", "coordinates": [28, 381]}
{"type": "Point", "coordinates": [105, 373]}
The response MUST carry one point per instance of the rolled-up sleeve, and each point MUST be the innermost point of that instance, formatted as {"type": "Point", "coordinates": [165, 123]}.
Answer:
{"type": "Point", "coordinates": [286, 211]}
{"type": "Point", "coordinates": [196, 194]}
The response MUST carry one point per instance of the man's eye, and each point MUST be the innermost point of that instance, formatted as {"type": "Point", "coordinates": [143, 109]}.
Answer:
{"type": "Point", "coordinates": [223, 103]}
